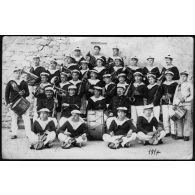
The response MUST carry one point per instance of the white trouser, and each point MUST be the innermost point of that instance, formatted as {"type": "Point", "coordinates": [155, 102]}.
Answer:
{"type": "Point", "coordinates": [65, 138]}
{"type": "Point", "coordinates": [156, 112]}
{"type": "Point", "coordinates": [167, 122]}
{"type": "Point", "coordinates": [144, 137]}
{"type": "Point", "coordinates": [108, 121]}
{"type": "Point", "coordinates": [33, 138]}
{"type": "Point", "coordinates": [109, 138]}
{"type": "Point", "coordinates": [135, 112]}
{"type": "Point", "coordinates": [14, 120]}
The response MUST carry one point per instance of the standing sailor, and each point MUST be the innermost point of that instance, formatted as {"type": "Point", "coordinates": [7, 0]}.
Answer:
{"type": "Point", "coordinates": [183, 97]}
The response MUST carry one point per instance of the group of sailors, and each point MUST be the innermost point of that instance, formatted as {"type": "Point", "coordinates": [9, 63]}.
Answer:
{"type": "Point", "coordinates": [131, 97]}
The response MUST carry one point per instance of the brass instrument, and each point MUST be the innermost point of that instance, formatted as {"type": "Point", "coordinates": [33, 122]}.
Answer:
{"type": "Point", "coordinates": [30, 77]}
{"type": "Point", "coordinates": [60, 90]}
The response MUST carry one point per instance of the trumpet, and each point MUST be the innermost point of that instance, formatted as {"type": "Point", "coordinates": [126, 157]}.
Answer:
{"type": "Point", "coordinates": [31, 78]}
{"type": "Point", "coordinates": [60, 90]}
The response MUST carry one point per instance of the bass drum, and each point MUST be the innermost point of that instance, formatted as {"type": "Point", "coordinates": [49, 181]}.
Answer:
{"type": "Point", "coordinates": [20, 106]}
{"type": "Point", "coordinates": [96, 124]}
{"type": "Point", "coordinates": [179, 113]}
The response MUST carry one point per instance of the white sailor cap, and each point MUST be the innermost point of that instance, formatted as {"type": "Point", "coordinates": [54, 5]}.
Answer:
{"type": "Point", "coordinates": [121, 75]}
{"type": "Point", "coordinates": [84, 62]}
{"type": "Point", "coordinates": [134, 58]}
{"type": "Point", "coordinates": [63, 73]}
{"type": "Point", "coordinates": [77, 49]}
{"type": "Point", "coordinates": [101, 59]}
{"type": "Point", "coordinates": [72, 87]}
{"type": "Point", "coordinates": [98, 88]}
{"type": "Point", "coordinates": [122, 108]}
{"type": "Point", "coordinates": [106, 75]}
{"type": "Point", "coordinates": [184, 73]}
{"type": "Point", "coordinates": [75, 112]}
{"type": "Point", "coordinates": [151, 75]}
{"type": "Point", "coordinates": [169, 72]}
{"type": "Point", "coordinates": [93, 70]}
{"type": "Point", "coordinates": [49, 88]}
{"type": "Point", "coordinates": [118, 58]}
{"type": "Point", "coordinates": [121, 86]}
{"type": "Point", "coordinates": [44, 110]}
{"type": "Point", "coordinates": [138, 73]}
{"type": "Point", "coordinates": [44, 74]}
{"type": "Point", "coordinates": [150, 57]}
{"type": "Point", "coordinates": [149, 106]}
{"type": "Point", "coordinates": [75, 71]}
{"type": "Point", "coordinates": [169, 57]}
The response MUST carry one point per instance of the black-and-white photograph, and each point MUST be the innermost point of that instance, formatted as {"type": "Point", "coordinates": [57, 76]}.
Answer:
{"type": "Point", "coordinates": [97, 97]}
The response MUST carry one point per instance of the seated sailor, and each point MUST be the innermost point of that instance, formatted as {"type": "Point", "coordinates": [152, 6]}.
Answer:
{"type": "Point", "coordinates": [73, 132]}
{"type": "Point", "coordinates": [43, 131]}
{"type": "Point", "coordinates": [146, 133]}
{"type": "Point", "coordinates": [121, 132]}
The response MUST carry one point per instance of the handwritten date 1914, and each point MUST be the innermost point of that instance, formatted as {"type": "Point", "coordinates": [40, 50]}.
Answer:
{"type": "Point", "coordinates": [153, 152]}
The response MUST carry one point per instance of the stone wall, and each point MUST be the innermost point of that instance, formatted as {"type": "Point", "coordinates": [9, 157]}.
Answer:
{"type": "Point", "coordinates": [19, 50]}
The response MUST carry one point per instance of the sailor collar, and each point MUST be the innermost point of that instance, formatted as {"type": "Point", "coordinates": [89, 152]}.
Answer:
{"type": "Point", "coordinates": [77, 58]}
{"type": "Point", "coordinates": [138, 84]}
{"type": "Point", "coordinates": [93, 81]}
{"type": "Point", "coordinates": [99, 69]}
{"type": "Point", "coordinates": [75, 125]}
{"type": "Point", "coordinates": [43, 124]}
{"type": "Point", "coordinates": [97, 99]}
{"type": "Point", "coordinates": [84, 71]}
{"type": "Point", "coordinates": [116, 68]}
{"type": "Point", "coordinates": [151, 86]}
{"type": "Point", "coordinates": [168, 66]}
{"type": "Point", "coordinates": [63, 84]}
{"type": "Point", "coordinates": [118, 122]}
{"type": "Point", "coordinates": [134, 67]}
{"type": "Point", "coordinates": [75, 82]}
{"type": "Point", "coordinates": [150, 68]}
{"type": "Point", "coordinates": [52, 71]}
{"type": "Point", "coordinates": [106, 86]}
{"type": "Point", "coordinates": [125, 84]}
{"type": "Point", "coordinates": [148, 119]}
{"type": "Point", "coordinates": [168, 83]}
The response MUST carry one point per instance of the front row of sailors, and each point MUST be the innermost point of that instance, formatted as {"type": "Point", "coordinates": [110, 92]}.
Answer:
{"type": "Point", "coordinates": [121, 132]}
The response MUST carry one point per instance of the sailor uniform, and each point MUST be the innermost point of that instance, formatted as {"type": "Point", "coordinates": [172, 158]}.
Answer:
{"type": "Point", "coordinates": [78, 59]}
{"type": "Point", "coordinates": [184, 90]}
{"type": "Point", "coordinates": [54, 73]}
{"type": "Point", "coordinates": [120, 130]}
{"type": "Point", "coordinates": [173, 69]}
{"type": "Point", "coordinates": [100, 56]}
{"type": "Point", "coordinates": [124, 84]}
{"type": "Point", "coordinates": [42, 129]}
{"type": "Point", "coordinates": [139, 99]}
{"type": "Point", "coordinates": [37, 71]}
{"type": "Point", "coordinates": [167, 107]}
{"type": "Point", "coordinates": [145, 126]}
{"type": "Point", "coordinates": [71, 67]}
{"type": "Point", "coordinates": [74, 103]}
{"type": "Point", "coordinates": [115, 71]}
{"type": "Point", "coordinates": [154, 96]}
{"type": "Point", "coordinates": [96, 103]}
{"type": "Point", "coordinates": [85, 73]}
{"type": "Point", "coordinates": [101, 71]}
{"type": "Point", "coordinates": [90, 85]}
{"type": "Point", "coordinates": [134, 69]}
{"type": "Point", "coordinates": [150, 69]}
{"type": "Point", "coordinates": [11, 96]}
{"type": "Point", "coordinates": [71, 129]}
{"type": "Point", "coordinates": [110, 91]}
{"type": "Point", "coordinates": [76, 83]}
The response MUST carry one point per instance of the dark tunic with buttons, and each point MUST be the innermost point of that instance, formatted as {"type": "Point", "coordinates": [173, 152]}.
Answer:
{"type": "Point", "coordinates": [119, 101]}
{"type": "Point", "coordinates": [11, 95]}
{"type": "Point", "coordinates": [96, 104]}
{"type": "Point", "coordinates": [144, 126]}
{"type": "Point", "coordinates": [168, 88]}
{"type": "Point", "coordinates": [74, 133]}
{"type": "Point", "coordinates": [173, 69]}
{"type": "Point", "coordinates": [121, 129]}
{"type": "Point", "coordinates": [110, 92]}
{"type": "Point", "coordinates": [143, 93]}
{"type": "Point", "coordinates": [154, 94]}
{"type": "Point", "coordinates": [74, 103]}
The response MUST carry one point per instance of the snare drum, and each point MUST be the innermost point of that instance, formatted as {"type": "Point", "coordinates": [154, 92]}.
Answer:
{"type": "Point", "coordinates": [179, 113]}
{"type": "Point", "coordinates": [96, 124]}
{"type": "Point", "coordinates": [20, 106]}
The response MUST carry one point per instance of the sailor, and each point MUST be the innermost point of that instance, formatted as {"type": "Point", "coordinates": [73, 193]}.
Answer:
{"type": "Point", "coordinates": [78, 56]}
{"type": "Point", "coordinates": [43, 131]}
{"type": "Point", "coordinates": [121, 132]}
{"type": "Point", "coordinates": [149, 129]}
{"type": "Point", "coordinates": [184, 97]}
{"type": "Point", "coordinates": [73, 132]}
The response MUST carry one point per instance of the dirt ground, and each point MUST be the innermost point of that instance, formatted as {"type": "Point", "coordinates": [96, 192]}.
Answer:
{"type": "Point", "coordinates": [19, 149]}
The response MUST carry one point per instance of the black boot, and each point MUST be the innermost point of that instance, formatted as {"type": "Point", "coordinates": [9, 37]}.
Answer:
{"type": "Point", "coordinates": [167, 135]}
{"type": "Point", "coordinates": [160, 141]}
{"type": "Point", "coordinates": [173, 136]}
